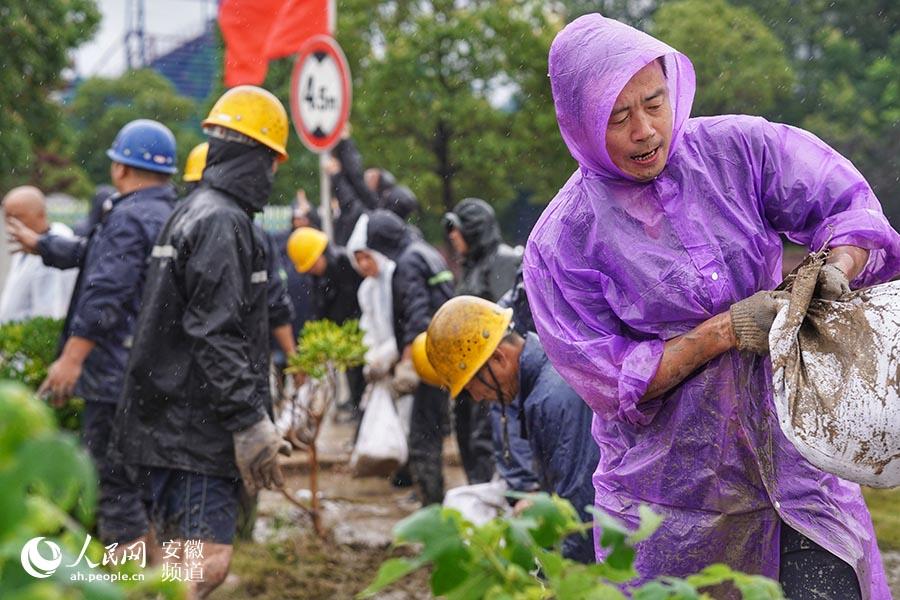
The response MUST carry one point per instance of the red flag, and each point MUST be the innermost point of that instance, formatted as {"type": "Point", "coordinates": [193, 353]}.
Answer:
{"type": "Point", "coordinates": [298, 21]}
{"type": "Point", "coordinates": [245, 26]}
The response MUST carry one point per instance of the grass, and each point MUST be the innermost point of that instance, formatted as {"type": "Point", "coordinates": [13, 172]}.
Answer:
{"type": "Point", "coordinates": [304, 567]}
{"type": "Point", "coordinates": [885, 508]}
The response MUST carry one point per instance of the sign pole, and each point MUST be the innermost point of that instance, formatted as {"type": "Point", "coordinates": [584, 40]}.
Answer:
{"type": "Point", "coordinates": [325, 195]}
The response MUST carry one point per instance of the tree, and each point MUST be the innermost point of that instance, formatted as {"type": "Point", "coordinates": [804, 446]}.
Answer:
{"type": "Point", "coordinates": [741, 65]}
{"type": "Point", "coordinates": [35, 38]}
{"type": "Point", "coordinates": [102, 106]}
{"type": "Point", "coordinates": [431, 85]}
{"type": "Point", "coordinates": [859, 114]}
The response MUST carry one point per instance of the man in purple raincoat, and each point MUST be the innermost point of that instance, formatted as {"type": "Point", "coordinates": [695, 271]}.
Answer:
{"type": "Point", "coordinates": [643, 276]}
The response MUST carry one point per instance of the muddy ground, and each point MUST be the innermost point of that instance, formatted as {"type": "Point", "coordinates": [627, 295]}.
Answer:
{"type": "Point", "coordinates": [286, 561]}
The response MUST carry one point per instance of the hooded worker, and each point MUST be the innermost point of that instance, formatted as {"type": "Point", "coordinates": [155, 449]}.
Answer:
{"type": "Point", "coordinates": [644, 278]}
{"type": "Point", "coordinates": [420, 285]}
{"type": "Point", "coordinates": [471, 346]}
{"type": "Point", "coordinates": [281, 309]}
{"type": "Point", "coordinates": [194, 409]}
{"type": "Point", "coordinates": [489, 265]}
{"type": "Point", "coordinates": [488, 271]}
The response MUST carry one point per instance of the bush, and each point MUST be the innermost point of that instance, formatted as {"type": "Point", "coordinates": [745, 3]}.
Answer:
{"type": "Point", "coordinates": [27, 349]}
{"type": "Point", "coordinates": [324, 344]}
{"type": "Point", "coordinates": [519, 557]}
{"type": "Point", "coordinates": [49, 490]}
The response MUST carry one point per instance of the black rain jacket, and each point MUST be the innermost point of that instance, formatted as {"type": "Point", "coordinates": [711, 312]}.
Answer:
{"type": "Point", "coordinates": [422, 282]}
{"type": "Point", "coordinates": [348, 186]}
{"type": "Point", "coordinates": [490, 266]}
{"type": "Point", "coordinates": [199, 367]}
{"type": "Point", "coordinates": [334, 295]}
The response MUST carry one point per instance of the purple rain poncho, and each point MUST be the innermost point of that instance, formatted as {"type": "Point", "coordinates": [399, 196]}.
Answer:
{"type": "Point", "coordinates": [615, 267]}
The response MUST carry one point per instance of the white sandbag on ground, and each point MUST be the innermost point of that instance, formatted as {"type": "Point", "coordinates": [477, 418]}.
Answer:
{"type": "Point", "coordinates": [479, 503]}
{"type": "Point", "coordinates": [836, 378]}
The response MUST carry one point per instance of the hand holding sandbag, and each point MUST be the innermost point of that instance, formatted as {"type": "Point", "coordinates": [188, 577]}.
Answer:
{"type": "Point", "coordinates": [752, 319]}
{"type": "Point", "coordinates": [405, 380]}
{"type": "Point", "coordinates": [832, 283]}
{"type": "Point", "coordinates": [256, 451]}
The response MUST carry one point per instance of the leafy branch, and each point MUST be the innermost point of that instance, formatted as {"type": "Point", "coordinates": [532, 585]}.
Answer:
{"type": "Point", "coordinates": [519, 557]}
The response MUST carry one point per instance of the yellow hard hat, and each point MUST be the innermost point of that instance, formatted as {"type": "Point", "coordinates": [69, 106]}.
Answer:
{"type": "Point", "coordinates": [420, 362]}
{"type": "Point", "coordinates": [305, 246]}
{"type": "Point", "coordinates": [462, 336]}
{"type": "Point", "coordinates": [196, 162]}
{"type": "Point", "coordinates": [254, 112]}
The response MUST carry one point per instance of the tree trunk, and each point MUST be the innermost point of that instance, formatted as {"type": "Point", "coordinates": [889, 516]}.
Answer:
{"type": "Point", "coordinates": [445, 168]}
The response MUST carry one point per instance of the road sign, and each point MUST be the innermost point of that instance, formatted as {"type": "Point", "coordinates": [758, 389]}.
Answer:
{"type": "Point", "coordinates": [320, 93]}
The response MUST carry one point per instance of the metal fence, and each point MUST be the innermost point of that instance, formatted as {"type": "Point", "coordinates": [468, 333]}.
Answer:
{"type": "Point", "coordinates": [273, 218]}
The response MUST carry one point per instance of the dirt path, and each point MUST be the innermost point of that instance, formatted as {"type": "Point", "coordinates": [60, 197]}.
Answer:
{"type": "Point", "coordinates": [286, 561]}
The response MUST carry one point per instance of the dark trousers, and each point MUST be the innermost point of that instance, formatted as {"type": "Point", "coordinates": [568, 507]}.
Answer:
{"type": "Point", "coordinates": [122, 502]}
{"type": "Point", "coordinates": [810, 572]}
{"type": "Point", "coordinates": [474, 437]}
{"type": "Point", "coordinates": [428, 426]}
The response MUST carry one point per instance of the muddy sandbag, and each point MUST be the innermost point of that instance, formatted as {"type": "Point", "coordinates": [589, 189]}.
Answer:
{"type": "Point", "coordinates": [836, 377]}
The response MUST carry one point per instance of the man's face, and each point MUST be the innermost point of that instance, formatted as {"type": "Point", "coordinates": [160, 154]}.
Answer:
{"type": "Point", "coordinates": [319, 267]}
{"type": "Point", "coordinates": [367, 265]}
{"type": "Point", "coordinates": [458, 242]}
{"type": "Point", "coordinates": [640, 127]}
{"type": "Point", "coordinates": [482, 387]}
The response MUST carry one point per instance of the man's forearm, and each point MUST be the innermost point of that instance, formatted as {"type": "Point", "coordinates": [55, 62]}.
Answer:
{"type": "Point", "coordinates": [77, 349]}
{"type": "Point", "coordinates": [686, 353]}
{"type": "Point", "coordinates": [849, 259]}
{"type": "Point", "coordinates": [284, 337]}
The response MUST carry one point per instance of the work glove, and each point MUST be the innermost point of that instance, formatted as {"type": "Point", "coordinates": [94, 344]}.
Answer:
{"type": "Point", "coordinates": [406, 380]}
{"type": "Point", "coordinates": [376, 370]}
{"type": "Point", "coordinates": [752, 319]}
{"type": "Point", "coordinates": [832, 283]}
{"type": "Point", "coordinates": [256, 451]}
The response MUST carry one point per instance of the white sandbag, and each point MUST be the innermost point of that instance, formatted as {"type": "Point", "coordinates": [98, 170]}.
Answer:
{"type": "Point", "coordinates": [381, 445]}
{"type": "Point", "coordinates": [481, 502]}
{"type": "Point", "coordinates": [836, 379]}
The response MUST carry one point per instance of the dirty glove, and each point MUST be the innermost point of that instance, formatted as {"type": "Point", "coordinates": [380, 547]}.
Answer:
{"type": "Point", "coordinates": [256, 451]}
{"type": "Point", "coordinates": [832, 283]}
{"type": "Point", "coordinates": [376, 370]}
{"type": "Point", "coordinates": [406, 380]}
{"type": "Point", "coordinates": [752, 319]}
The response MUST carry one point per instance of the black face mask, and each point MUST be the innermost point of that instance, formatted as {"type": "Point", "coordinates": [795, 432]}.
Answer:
{"type": "Point", "coordinates": [242, 171]}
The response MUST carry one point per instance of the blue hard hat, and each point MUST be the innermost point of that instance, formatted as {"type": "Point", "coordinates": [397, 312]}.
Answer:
{"type": "Point", "coordinates": [145, 144]}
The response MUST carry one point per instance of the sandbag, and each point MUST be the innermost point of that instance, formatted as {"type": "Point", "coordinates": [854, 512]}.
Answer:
{"type": "Point", "coordinates": [836, 377]}
{"type": "Point", "coordinates": [381, 445]}
{"type": "Point", "coordinates": [480, 502]}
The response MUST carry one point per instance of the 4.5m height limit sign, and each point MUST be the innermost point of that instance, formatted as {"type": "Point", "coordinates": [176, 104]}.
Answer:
{"type": "Point", "coordinates": [320, 93]}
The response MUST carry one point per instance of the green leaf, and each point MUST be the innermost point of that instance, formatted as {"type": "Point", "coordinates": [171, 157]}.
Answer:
{"type": "Point", "coordinates": [555, 517]}
{"type": "Point", "coordinates": [650, 522]}
{"type": "Point", "coordinates": [67, 477]}
{"type": "Point", "coordinates": [391, 570]}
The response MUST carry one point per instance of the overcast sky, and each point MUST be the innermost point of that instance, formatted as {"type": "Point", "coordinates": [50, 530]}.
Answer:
{"type": "Point", "coordinates": [166, 23]}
